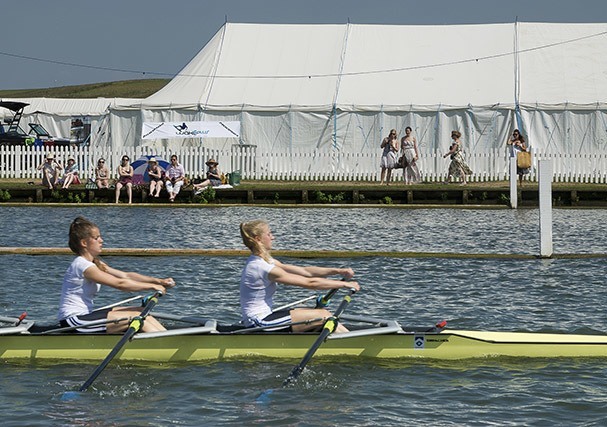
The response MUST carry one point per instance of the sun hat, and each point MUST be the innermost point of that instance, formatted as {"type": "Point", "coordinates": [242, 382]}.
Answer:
{"type": "Point", "coordinates": [152, 160]}
{"type": "Point", "coordinates": [50, 156]}
{"type": "Point", "coordinates": [70, 158]}
{"type": "Point", "coordinates": [211, 162]}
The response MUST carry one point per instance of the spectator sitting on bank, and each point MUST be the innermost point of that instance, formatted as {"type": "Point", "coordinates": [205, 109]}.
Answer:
{"type": "Point", "coordinates": [213, 177]}
{"type": "Point", "coordinates": [155, 174]}
{"type": "Point", "coordinates": [50, 171]}
{"type": "Point", "coordinates": [102, 174]}
{"type": "Point", "coordinates": [125, 179]}
{"type": "Point", "coordinates": [71, 173]}
{"type": "Point", "coordinates": [175, 176]}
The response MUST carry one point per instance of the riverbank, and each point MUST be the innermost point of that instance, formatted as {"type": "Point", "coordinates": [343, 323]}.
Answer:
{"type": "Point", "coordinates": [295, 193]}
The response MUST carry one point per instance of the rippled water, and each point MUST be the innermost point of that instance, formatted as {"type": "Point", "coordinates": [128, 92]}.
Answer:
{"type": "Point", "coordinates": [424, 230]}
{"type": "Point", "coordinates": [532, 294]}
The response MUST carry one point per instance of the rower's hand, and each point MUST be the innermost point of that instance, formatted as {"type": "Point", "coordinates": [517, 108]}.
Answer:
{"type": "Point", "coordinates": [168, 282]}
{"type": "Point", "coordinates": [352, 285]}
{"type": "Point", "coordinates": [347, 273]}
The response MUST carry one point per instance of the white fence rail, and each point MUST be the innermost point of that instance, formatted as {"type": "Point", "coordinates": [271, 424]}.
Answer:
{"type": "Point", "coordinates": [22, 162]}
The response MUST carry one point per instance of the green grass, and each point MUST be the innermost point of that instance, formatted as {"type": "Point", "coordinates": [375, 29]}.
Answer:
{"type": "Point", "coordinates": [119, 89]}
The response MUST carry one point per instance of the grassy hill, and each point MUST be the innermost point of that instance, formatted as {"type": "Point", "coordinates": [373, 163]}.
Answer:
{"type": "Point", "coordinates": [119, 89]}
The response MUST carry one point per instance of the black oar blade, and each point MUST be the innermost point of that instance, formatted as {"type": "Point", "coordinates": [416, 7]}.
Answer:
{"type": "Point", "coordinates": [328, 328]}
{"type": "Point", "coordinates": [330, 325]}
{"type": "Point", "coordinates": [134, 327]}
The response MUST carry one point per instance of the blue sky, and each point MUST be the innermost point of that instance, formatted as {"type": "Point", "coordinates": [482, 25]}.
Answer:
{"type": "Point", "coordinates": [49, 43]}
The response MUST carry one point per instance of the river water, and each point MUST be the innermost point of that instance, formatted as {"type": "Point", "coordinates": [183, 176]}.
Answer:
{"type": "Point", "coordinates": [497, 294]}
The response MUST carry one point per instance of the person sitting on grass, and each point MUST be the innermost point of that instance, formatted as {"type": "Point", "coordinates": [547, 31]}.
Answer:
{"type": "Point", "coordinates": [71, 173]}
{"type": "Point", "coordinates": [102, 174]}
{"type": "Point", "coordinates": [155, 174]}
{"type": "Point", "coordinates": [125, 179]}
{"type": "Point", "coordinates": [50, 171]}
{"type": "Point", "coordinates": [175, 178]}
{"type": "Point", "coordinates": [213, 177]}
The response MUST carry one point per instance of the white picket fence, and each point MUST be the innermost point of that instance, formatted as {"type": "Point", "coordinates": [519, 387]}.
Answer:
{"type": "Point", "coordinates": [22, 162]}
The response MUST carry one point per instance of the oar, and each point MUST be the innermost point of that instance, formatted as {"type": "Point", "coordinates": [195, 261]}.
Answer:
{"type": "Point", "coordinates": [328, 328]}
{"type": "Point", "coordinates": [133, 328]}
{"type": "Point", "coordinates": [116, 304]}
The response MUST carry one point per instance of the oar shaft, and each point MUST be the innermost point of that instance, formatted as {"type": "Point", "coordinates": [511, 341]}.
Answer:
{"type": "Point", "coordinates": [283, 307]}
{"type": "Point", "coordinates": [116, 304]}
{"type": "Point", "coordinates": [135, 325]}
{"type": "Point", "coordinates": [327, 330]}
{"type": "Point", "coordinates": [322, 302]}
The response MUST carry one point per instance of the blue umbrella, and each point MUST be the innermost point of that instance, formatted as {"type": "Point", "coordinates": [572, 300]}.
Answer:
{"type": "Point", "coordinates": [140, 168]}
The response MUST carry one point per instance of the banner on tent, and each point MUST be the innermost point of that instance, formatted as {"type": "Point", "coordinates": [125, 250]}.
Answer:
{"type": "Point", "coordinates": [165, 130]}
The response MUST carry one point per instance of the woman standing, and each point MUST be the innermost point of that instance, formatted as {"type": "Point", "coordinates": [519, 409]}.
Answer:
{"type": "Point", "coordinates": [261, 274]}
{"type": "Point", "coordinates": [83, 280]}
{"type": "Point", "coordinates": [125, 178]}
{"type": "Point", "coordinates": [518, 144]}
{"type": "Point", "coordinates": [389, 156]}
{"type": "Point", "coordinates": [102, 174]}
{"type": "Point", "coordinates": [458, 167]}
{"type": "Point", "coordinates": [408, 145]}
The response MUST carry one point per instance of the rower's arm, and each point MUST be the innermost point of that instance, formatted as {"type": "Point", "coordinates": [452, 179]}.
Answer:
{"type": "Point", "coordinates": [280, 275]}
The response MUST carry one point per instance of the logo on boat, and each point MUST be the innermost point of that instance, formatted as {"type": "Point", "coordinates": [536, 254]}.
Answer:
{"type": "Point", "coordinates": [419, 342]}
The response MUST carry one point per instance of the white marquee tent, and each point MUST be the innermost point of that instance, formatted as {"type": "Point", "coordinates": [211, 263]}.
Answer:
{"type": "Point", "coordinates": [342, 87]}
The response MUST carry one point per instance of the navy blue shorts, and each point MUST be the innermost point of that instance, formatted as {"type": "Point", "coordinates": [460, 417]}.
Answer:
{"type": "Point", "coordinates": [86, 319]}
{"type": "Point", "coordinates": [281, 319]}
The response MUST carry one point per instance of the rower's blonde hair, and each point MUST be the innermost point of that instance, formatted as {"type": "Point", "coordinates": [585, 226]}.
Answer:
{"type": "Point", "coordinates": [250, 231]}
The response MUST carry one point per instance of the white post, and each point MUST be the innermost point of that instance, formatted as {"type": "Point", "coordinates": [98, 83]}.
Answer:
{"type": "Point", "coordinates": [545, 189]}
{"type": "Point", "coordinates": [513, 176]}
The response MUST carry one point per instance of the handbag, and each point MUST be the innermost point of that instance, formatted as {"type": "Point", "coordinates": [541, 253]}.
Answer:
{"type": "Point", "coordinates": [401, 162]}
{"type": "Point", "coordinates": [523, 160]}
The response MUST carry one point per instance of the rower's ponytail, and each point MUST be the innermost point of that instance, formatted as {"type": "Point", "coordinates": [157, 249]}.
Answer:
{"type": "Point", "coordinates": [249, 232]}
{"type": "Point", "coordinates": [80, 229]}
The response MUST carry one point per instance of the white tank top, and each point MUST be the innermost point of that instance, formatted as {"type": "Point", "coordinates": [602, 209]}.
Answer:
{"type": "Point", "coordinates": [77, 292]}
{"type": "Point", "coordinates": [256, 290]}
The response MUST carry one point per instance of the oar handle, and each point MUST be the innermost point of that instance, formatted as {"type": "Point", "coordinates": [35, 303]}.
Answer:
{"type": "Point", "coordinates": [323, 301]}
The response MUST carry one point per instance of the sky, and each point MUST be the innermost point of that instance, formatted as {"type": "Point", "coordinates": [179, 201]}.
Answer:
{"type": "Point", "coordinates": [52, 43]}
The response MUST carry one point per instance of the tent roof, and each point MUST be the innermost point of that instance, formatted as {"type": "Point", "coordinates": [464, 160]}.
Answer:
{"type": "Point", "coordinates": [375, 67]}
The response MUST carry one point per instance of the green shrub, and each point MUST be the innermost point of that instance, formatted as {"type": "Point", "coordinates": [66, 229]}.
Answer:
{"type": "Point", "coordinates": [321, 197]}
{"type": "Point", "coordinates": [5, 196]}
{"type": "Point", "coordinates": [207, 196]}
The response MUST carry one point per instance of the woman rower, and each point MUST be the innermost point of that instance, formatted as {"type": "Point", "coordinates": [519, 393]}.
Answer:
{"type": "Point", "coordinates": [262, 272]}
{"type": "Point", "coordinates": [83, 280]}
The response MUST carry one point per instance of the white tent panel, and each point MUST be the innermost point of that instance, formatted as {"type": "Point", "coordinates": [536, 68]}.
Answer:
{"type": "Point", "coordinates": [562, 63]}
{"type": "Point", "coordinates": [391, 66]}
{"type": "Point", "coordinates": [261, 66]}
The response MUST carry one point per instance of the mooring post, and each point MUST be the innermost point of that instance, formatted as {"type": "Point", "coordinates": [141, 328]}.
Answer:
{"type": "Point", "coordinates": [545, 189]}
{"type": "Point", "coordinates": [513, 189]}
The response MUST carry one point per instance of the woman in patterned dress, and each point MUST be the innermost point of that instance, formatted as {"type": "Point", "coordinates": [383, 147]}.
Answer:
{"type": "Point", "coordinates": [458, 167]}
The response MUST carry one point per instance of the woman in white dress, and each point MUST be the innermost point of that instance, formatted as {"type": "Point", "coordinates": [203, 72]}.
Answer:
{"type": "Point", "coordinates": [408, 145]}
{"type": "Point", "coordinates": [389, 156]}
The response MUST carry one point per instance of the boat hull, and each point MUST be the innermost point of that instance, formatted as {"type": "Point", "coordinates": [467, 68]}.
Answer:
{"type": "Point", "coordinates": [447, 344]}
